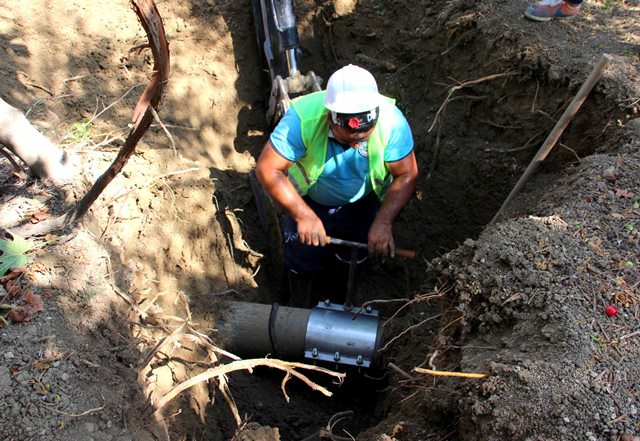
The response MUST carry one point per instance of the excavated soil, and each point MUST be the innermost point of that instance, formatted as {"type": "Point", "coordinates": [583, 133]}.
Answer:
{"type": "Point", "coordinates": [521, 300]}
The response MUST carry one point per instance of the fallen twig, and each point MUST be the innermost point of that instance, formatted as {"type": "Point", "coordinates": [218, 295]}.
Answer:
{"type": "Point", "coordinates": [633, 334]}
{"type": "Point", "coordinates": [89, 364]}
{"type": "Point", "coordinates": [76, 78]}
{"type": "Point", "coordinates": [73, 415]}
{"type": "Point", "coordinates": [27, 82]}
{"type": "Point", "coordinates": [97, 115]}
{"type": "Point", "coordinates": [617, 420]}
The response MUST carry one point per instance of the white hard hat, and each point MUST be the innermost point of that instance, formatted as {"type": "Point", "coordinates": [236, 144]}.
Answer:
{"type": "Point", "coordinates": [352, 89]}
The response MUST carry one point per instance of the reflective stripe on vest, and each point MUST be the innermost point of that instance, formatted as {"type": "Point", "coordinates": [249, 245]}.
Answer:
{"type": "Point", "coordinates": [315, 136]}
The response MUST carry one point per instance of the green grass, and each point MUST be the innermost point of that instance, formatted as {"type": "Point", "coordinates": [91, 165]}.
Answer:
{"type": "Point", "coordinates": [79, 131]}
{"type": "Point", "coordinates": [378, 8]}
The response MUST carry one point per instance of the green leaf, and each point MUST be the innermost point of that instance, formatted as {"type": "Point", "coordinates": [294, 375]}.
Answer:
{"type": "Point", "coordinates": [12, 253]}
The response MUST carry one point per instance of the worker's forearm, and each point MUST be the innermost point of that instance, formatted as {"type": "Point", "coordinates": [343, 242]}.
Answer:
{"type": "Point", "coordinates": [398, 194]}
{"type": "Point", "coordinates": [282, 191]}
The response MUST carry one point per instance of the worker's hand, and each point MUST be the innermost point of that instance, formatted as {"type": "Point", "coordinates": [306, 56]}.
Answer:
{"type": "Point", "coordinates": [380, 240]}
{"type": "Point", "coordinates": [311, 230]}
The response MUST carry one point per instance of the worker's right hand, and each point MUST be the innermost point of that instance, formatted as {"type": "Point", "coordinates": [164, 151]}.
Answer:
{"type": "Point", "coordinates": [380, 239]}
{"type": "Point", "coordinates": [311, 230]}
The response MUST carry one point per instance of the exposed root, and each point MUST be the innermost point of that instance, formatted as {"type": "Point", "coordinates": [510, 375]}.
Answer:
{"type": "Point", "coordinates": [449, 374]}
{"type": "Point", "coordinates": [376, 302]}
{"type": "Point", "coordinates": [401, 372]}
{"type": "Point", "coordinates": [166, 131]}
{"type": "Point", "coordinates": [532, 141]}
{"type": "Point", "coordinates": [464, 84]}
{"type": "Point", "coordinates": [223, 386]}
{"type": "Point", "coordinates": [443, 109]}
{"type": "Point", "coordinates": [419, 299]}
{"type": "Point", "coordinates": [217, 372]}
{"type": "Point", "coordinates": [249, 365]}
{"type": "Point", "coordinates": [172, 338]}
{"type": "Point", "coordinates": [428, 319]}
{"type": "Point", "coordinates": [326, 433]}
{"type": "Point", "coordinates": [16, 167]}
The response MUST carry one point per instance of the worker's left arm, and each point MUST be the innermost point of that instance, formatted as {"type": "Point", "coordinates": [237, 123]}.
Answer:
{"type": "Point", "coordinates": [405, 174]}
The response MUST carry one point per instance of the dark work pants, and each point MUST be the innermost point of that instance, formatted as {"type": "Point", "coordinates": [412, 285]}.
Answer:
{"type": "Point", "coordinates": [348, 222]}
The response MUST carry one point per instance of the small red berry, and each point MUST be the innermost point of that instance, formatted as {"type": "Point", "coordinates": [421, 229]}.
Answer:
{"type": "Point", "coordinates": [610, 310]}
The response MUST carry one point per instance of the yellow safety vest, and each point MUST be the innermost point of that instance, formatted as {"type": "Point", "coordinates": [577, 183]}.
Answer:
{"type": "Point", "coordinates": [315, 129]}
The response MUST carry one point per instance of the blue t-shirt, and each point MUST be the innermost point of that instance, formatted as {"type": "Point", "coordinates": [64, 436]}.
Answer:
{"type": "Point", "coordinates": [345, 177]}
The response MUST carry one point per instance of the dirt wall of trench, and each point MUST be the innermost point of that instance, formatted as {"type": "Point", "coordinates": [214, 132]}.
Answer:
{"type": "Point", "coordinates": [177, 230]}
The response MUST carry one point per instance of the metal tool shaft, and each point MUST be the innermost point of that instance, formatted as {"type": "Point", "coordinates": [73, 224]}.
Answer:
{"type": "Point", "coordinates": [398, 251]}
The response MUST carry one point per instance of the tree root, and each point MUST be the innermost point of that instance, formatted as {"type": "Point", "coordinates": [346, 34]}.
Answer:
{"type": "Point", "coordinates": [249, 365]}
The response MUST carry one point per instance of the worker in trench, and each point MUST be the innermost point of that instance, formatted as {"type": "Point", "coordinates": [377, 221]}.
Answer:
{"type": "Point", "coordinates": [341, 164]}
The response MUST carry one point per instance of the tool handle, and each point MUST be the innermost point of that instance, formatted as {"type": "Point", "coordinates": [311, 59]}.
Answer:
{"type": "Point", "coordinates": [399, 252]}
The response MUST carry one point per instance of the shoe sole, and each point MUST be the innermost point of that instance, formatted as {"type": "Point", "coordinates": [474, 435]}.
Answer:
{"type": "Point", "coordinates": [536, 18]}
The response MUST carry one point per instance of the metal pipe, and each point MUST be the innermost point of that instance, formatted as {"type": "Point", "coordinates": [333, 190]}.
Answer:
{"type": "Point", "coordinates": [351, 281]}
{"type": "Point", "coordinates": [326, 333]}
{"type": "Point", "coordinates": [245, 330]}
{"type": "Point", "coordinates": [292, 62]}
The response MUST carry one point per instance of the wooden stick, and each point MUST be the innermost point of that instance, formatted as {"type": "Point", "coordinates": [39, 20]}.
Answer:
{"type": "Point", "coordinates": [448, 374]}
{"type": "Point", "coordinates": [557, 131]}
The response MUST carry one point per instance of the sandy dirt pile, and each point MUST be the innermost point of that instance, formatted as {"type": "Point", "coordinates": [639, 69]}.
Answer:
{"type": "Point", "coordinates": [534, 293]}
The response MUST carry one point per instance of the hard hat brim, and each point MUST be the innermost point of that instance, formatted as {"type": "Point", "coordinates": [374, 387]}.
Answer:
{"type": "Point", "coordinates": [354, 102]}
